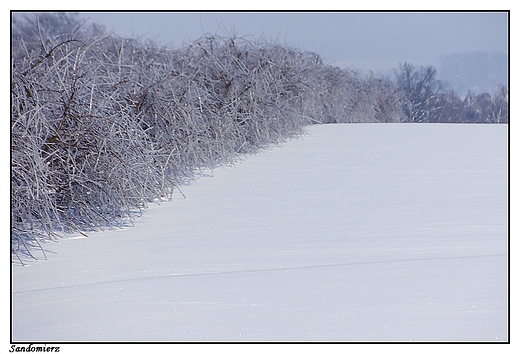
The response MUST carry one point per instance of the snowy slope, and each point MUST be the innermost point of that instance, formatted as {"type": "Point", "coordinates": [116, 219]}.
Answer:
{"type": "Point", "coordinates": [361, 232]}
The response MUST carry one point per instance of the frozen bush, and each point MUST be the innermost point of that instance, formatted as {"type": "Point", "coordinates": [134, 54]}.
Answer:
{"type": "Point", "coordinates": [103, 125]}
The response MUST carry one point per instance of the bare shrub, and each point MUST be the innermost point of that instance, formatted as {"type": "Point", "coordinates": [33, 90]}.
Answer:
{"type": "Point", "coordinates": [103, 125]}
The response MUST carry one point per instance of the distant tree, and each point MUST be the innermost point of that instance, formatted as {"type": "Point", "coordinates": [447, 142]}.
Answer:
{"type": "Point", "coordinates": [500, 111]}
{"type": "Point", "coordinates": [451, 108]}
{"type": "Point", "coordinates": [487, 108]}
{"type": "Point", "coordinates": [420, 89]}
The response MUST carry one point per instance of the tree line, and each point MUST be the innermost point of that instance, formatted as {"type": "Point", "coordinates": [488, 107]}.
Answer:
{"type": "Point", "coordinates": [427, 99]}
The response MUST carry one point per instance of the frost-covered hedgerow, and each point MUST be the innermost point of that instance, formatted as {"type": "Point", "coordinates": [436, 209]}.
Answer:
{"type": "Point", "coordinates": [102, 125]}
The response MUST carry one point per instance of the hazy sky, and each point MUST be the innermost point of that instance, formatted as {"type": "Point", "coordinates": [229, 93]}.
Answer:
{"type": "Point", "coordinates": [375, 40]}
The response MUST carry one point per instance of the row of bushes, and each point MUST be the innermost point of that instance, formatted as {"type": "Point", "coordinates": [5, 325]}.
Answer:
{"type": "Point", "coordinates": [102, 125]}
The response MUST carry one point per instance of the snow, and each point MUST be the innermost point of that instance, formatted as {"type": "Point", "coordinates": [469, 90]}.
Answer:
{"type": "Point", "coordinates": [353, 232]}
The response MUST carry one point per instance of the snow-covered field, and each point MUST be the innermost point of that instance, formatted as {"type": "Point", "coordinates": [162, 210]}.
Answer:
{"type": "Point", "coordinates": [355, 232]}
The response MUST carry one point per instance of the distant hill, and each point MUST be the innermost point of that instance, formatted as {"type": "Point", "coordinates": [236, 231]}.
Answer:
{"type": "Point", "coordinates": [475, 71]}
